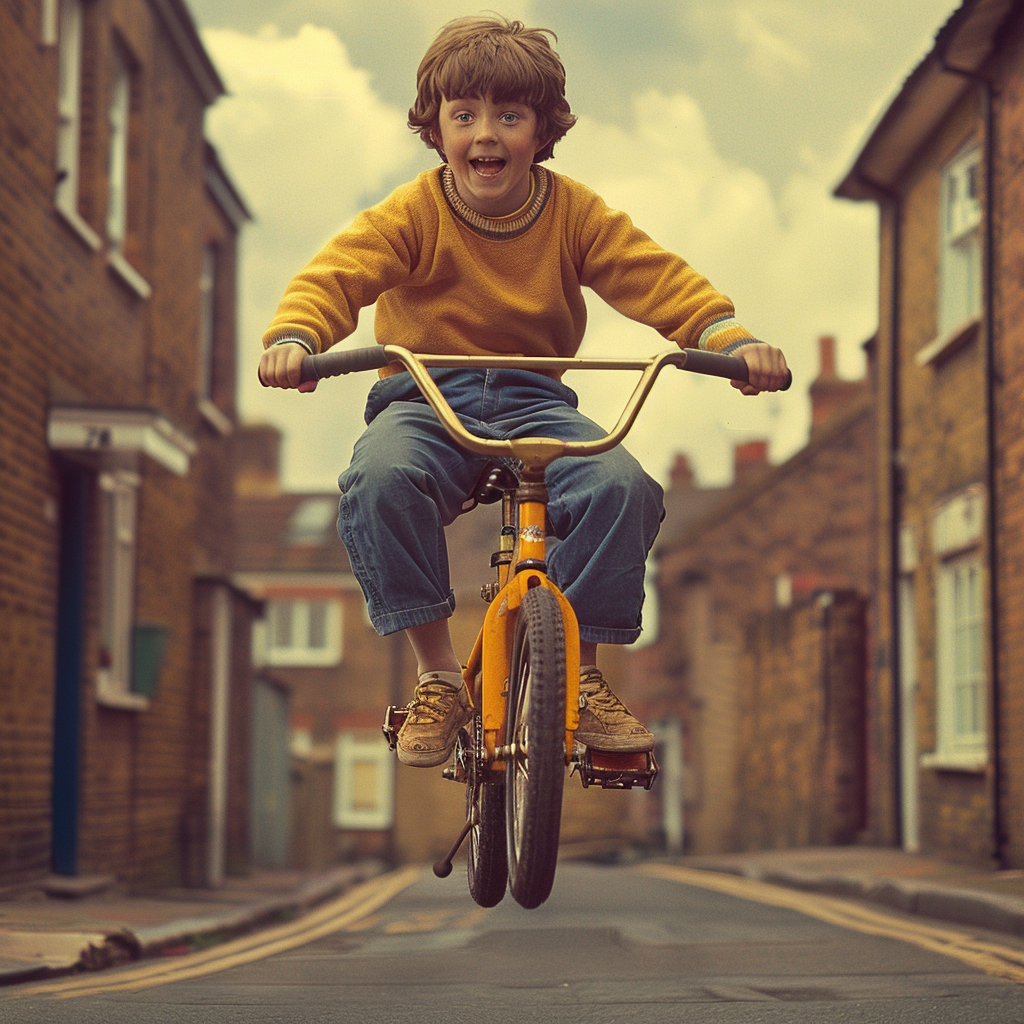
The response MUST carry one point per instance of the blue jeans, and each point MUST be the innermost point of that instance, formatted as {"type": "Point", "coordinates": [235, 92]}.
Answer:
{"type": "Point", "coordinates": [408, 480]}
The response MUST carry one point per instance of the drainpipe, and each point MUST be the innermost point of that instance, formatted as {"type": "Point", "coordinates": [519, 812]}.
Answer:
{"type": "Point", "coordinates": [895, 459]}
{"type": "Point", "coordinates": [987, 93]}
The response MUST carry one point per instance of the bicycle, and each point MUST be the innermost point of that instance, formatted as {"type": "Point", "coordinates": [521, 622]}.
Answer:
{"type": "Point", "coordinates": [522, 675]}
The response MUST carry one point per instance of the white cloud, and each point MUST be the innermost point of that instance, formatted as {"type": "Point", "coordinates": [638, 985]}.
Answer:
{"type": "Point", "coordinates": [769, 54]}
{"type": "Point", "coordinates": [795, 266]}
{"type": "Point", "coordinates": [308, 140]}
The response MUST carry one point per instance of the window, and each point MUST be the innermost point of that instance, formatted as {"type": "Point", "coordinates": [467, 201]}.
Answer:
{"type": "Point", "coordinates": [960, 268]}
{"type": "Point", "coordinates": [117, 164]}
{"type": "Point", "coordinates": [118, 501]}
{"type": "Point", "coordinates": [119, 117]}
{"type": "Point", "coordinates": [69, 117]}
{"type": "Point", "coordinates": [313, 522]}
{"type": "Point", "coordinates": [961, 666]}
{"type": "Point", "coordinates": [304, 632]}
{"type": "Point", "coordinates": [961, 705]}
{"type": "Point", "coordinates": [363, 783]}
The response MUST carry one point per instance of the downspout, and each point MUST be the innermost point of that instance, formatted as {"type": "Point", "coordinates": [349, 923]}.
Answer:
{"type": "Point", "coordinates": [992, 515]}
{"type": "Point", "coordinates": [895, 468]}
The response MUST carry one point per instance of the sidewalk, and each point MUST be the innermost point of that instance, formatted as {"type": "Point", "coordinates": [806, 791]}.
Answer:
{"type": "Point", "coordinates": [911, 883]}
{"type": "Point", "coordinates": [42, 936]}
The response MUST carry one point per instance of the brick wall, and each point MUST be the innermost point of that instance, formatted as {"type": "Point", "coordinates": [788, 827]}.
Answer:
{"type": "Point", "coordinates": [1009, 358]}
{"type": "Point", "coordinates": [79, 333]}
{"type": "Point", "coordinates": [802, 528]}
{"type": "Point", "coordinates": [802, 729]}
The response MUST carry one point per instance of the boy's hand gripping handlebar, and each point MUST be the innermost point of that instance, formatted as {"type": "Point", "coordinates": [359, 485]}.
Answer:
{"type": "Point", "coordinates": [536, 453]}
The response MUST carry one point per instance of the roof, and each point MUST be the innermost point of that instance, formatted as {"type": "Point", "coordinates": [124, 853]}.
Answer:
{"type": "Point", "coordinates": [181, 29]}
{"type": "Point", "coordinates": [963, 44]}
{"type": "Point", "coordinates": [727, 501]}
{"type": "Point", "coordinates": [289, 532]}
{"type": "Point", "coordinates": [224, 191]}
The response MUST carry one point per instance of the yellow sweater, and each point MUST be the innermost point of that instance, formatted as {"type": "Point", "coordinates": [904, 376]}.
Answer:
{"type": "Point", "coordinates": [448, 280]}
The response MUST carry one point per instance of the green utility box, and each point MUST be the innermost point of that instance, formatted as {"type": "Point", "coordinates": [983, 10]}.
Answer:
{"type": "Point", "coordinates": [149, 645]}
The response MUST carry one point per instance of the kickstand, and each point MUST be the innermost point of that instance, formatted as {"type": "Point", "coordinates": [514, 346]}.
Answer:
{"type": "Point", "coordinates": [443, 868]}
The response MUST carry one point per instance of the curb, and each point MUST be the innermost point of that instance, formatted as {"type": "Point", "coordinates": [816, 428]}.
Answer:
{"type": "Point", "coordinates": [188, 935]}
{"type": "Point", "coordinates": [945, 903]}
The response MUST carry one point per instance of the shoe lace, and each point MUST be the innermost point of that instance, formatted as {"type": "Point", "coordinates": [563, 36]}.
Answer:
{"type": "Point", "coordinates": [599, 694]}
{"type": "Point", "coordinates": [432, 699]}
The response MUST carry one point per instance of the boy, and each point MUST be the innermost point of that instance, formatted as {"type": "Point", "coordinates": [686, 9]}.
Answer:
{"type": "Point", "coordinates": [488, 254]}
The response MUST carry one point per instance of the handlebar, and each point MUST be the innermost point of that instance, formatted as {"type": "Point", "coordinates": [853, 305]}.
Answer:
{"type": "Point", "coordinates": [536, 453]}
{"type": "Point", "coordinates": [336, 362]}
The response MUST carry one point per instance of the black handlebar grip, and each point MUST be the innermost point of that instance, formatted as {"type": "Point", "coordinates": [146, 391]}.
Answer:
{"type": "Point", "coordinates": [339, 361]}
{"type": "Point", "coordinates": [717, 365]}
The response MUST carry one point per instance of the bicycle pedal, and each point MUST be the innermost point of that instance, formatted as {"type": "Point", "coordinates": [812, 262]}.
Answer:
{"type": "Point", "coordinates": [614, 770]}
{"type": "Point", "coordinates": [394, 719]}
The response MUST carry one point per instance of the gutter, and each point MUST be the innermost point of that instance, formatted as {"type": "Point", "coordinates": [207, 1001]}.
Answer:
{"type": "Point", "coordinates": [987, 93]}
{"type": "Point", "coordinates": [895, 460]}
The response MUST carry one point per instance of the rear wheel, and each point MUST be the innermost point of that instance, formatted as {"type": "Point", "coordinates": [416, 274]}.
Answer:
{"type": "Point", "coordinates": [487, 863]}
{"type": "Point", "coordinates": [535, 769]}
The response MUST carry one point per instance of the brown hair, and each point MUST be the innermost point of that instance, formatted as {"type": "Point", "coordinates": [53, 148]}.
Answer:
{"type": "Point", "coordinates": [497, 59]}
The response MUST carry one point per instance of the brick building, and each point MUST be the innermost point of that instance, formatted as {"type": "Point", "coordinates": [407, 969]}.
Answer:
{"type": "Point", "coordinates": [124, 648]}
{"type": "Point", "coordinates": [944, 166]}
{"type": "Point", "coordinates": [763, 620]}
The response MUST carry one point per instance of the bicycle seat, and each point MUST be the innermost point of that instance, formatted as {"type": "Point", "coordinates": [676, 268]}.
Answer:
{"type": "Point", "coordinates": [496, 479]}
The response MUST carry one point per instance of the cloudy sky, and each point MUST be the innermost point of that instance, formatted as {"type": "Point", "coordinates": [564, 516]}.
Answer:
{"type": "Point", "coordinates": [720, 126]}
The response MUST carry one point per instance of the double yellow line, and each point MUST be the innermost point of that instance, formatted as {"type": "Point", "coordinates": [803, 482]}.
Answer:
{"type": "Point", "coordinates": [990, 957]}
{"type": "Point", "coordinates": [332, 917]}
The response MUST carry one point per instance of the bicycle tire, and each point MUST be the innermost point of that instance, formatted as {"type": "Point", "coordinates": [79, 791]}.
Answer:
{"type": "Point", "coordinates": [487, 860]}
{"type": "Point", "coordinates": [535, 771]}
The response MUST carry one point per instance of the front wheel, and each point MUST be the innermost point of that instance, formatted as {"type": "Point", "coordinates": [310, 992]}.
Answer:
{"type": "Point", "coordinates": [486, 865]}
{"type": "Point", "coordinates": [535, 768]}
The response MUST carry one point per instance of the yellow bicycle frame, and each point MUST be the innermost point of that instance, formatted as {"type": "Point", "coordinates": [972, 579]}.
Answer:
{"type": "Point", "coordinates": [491, 659]}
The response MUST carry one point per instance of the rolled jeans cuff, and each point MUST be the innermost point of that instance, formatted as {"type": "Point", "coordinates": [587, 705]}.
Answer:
{"type": "Point", "coordinates": [394, 622]}
{"type": "Point", "coordinates": [604, 635]}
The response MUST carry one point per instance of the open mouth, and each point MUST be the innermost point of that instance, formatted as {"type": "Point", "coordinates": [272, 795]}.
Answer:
{"type": "Point", "coordinates": [487, 167]}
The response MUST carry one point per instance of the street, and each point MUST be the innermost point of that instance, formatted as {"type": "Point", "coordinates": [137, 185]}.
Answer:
{"type": "Point", "coordinates": [611, 944]}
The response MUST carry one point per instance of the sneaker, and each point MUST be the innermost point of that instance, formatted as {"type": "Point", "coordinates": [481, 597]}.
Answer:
{"type": "Point", "coordinates": [438, 709]}
{"type": "Point", "coordinates": [605, 722]}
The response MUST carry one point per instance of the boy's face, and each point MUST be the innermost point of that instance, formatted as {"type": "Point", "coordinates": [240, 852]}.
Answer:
{"type": "Point", "coordinates": [490, 148]}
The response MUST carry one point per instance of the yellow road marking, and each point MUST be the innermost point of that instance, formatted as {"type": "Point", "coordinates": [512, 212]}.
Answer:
{"type": "Point", "coordinates": [424, 921]}
{"type": "Point", "coordinates": [354, 906]}
{"type": "Point", "coordinates": [989, 957]}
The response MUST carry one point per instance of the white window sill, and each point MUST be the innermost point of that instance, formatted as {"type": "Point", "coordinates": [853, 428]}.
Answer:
{"type": "Point", "coordinates": [109, 696]}
{"type": "Point", "coordinates": [947, 344]}
{"type": "Point", "coordinates": [128, 274]}
{"type": "Point", "coordinates": [74, 220]}
{"type": "Point", "coordinates": [971, 763]}
{"type": "Point", "coordinates": [221, 423]}
{"type": "Point", "coordinates": [294, 658]}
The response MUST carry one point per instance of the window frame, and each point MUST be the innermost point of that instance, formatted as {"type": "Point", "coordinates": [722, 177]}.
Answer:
{"type": "Point", "coordinates": [303, 655]}
{"type": "Point", "coordinates": [961, 677]}
{"type": "Point", "coordinates": [118, 495]}
{"type": "Point", "coordinates": [120, 112]}
{"type": "Point", "coordinates": [957, 535]}
{"type": "Point", "coordinates": [69, 25]}
{"type": "Point", "coordinates": [961, 263]}
{"type": "Point", "coordinates": [351, 749]}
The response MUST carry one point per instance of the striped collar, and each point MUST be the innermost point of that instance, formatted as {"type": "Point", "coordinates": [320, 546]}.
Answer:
{"type": "Point", "coordinates": [499, 228]}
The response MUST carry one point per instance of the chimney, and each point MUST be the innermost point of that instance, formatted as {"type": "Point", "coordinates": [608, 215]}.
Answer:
{"type": "Point", "coordinates": [827, 357]}
{"type": "Point", "coordinates": [257, 461]}
{"type": "Point", "coordinates": [829, 392]}
{"type": "Point", "coordinates": [681, 475]}
{"type": "Point", "coordinates": [750, 460]}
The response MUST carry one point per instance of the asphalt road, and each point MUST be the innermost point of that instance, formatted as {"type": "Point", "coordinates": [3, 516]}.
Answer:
{"type": "Point", "coordinates": [610, 945]}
